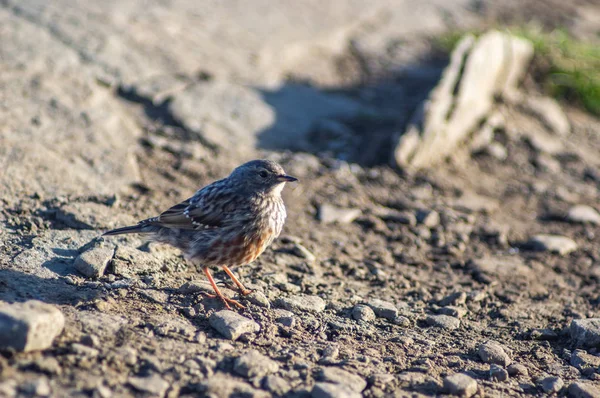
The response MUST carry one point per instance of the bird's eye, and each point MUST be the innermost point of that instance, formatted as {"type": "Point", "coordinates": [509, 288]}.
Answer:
{"type": "Point", "coordinates": [263, 174]}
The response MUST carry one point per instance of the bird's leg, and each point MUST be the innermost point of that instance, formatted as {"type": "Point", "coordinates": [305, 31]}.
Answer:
{"type": "Point", "coordinates": [218, 293]}
{"type": "Point", "coordinates": [237, 282]}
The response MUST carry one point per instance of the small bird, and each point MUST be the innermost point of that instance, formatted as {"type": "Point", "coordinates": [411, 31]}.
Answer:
{"type": "Point", "coordinates": [225, 224]}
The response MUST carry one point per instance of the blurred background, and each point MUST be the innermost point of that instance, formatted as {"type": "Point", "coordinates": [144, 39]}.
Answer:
{"type": "Point", "coordinates": [448, 157]}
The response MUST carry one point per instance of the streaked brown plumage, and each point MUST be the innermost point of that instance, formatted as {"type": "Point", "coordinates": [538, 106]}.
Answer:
{"type": "Point", "coordinates": [227, 223]}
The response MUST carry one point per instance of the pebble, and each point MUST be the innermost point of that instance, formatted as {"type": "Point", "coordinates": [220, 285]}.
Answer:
{"type": "Point", "coordinates": [363, 313]}
{"type": "Point", "coordinates": [93, 263]}
{"type": "Point", "coordinates": [232, 325]}
{"type": "Point", "coordinates": [581, 389]}
{"type": "Point", "coordinates": [493, 353]}
{"type": "Point", "coordinates": [457, 312]}
{"type": "Point", "coordinates": [154, 384]}
{"type": "Point", "coordinates": [460, 384]}
{"type": "Point", "coordinates": [383, 309]}
{"type": "Point", "coordinates": [402, 217]}
{"type": "Point", "coordinates": [586, 332]}
{"type": "Point", "coordinates": [429, 218]}
{"type": "Point", "coordinates": [516, 369]}
{"type": "Point", "coordinates": [582, 214]}
{"type": "Point", "coordinates": [301, 303]}
{"type": "Point", "coordinates": [29, 326]}
{"type": "Point", "coordinates": [582, 360]}
{"type": "Point", "coordinates": [342, 377]}
{"type": "Point", "coordinates": [553, 243]}
{"type": "Point", "coordinates": [259, 298]}
{"type": "Point", "coordinates": [276, 385]}
{"type": "Point", "coordinates": [303, 252]}
{"type": "Point", "coordinates": [456, 298]}
{"type": "Point", "coordinates": [498, 373]}
{"type": "Point", "coordinates": [286, 318]}
{"type": "Point", "coordinates": [443, 321]}
{"type": "Point", "coordinates": [543, 334]}
{"type": "Point", "coordinates": [254, 364]}
{"type": "Point", "coordinates": [330, 390]}
{"type": "Point", "coordinates": [39, 387]}
{"type": "Point", "coordinates": [329, 214]}
{"type": "Point", "coordinates": [551, 384]}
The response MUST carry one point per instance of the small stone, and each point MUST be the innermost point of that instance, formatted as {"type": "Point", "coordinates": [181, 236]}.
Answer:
{"type": "Point", "coordinates": [286, 318]}
{"type": "Point", "coordinates": [29, 326]}
{"type": "Point", "coordinates": [582, 214]}
{"type": "Point", "coordinates": [582, 360]}
{"type": "Point", "coordinates": [83, 350]}
{"type": "Point", "coordinates": [516, 369]}
{"type": "Point", "coordinates": [496, 150]}
{"type": "Point", "coordinates": [498, 373]}
{"type": "Point", "coordinates": [93, 263]}
{"type": "Point", "coordinates": [259, 299]}
{"type": "Point", "coordinates": [581, 389]}
{"type": "Point", "coordinates": [38, 387]}
{"type": "Point", "coordinates": [586, 332]}
{"type": "Point", "coordinates": [429, 218]}
{"type": "Point", "coordinates": [551, 385]}
{"type": "Point", "coordinates": [456, 298]}
{"type": "Point", "coordinates": [543, 334]}
{"type": "Point", "coordinates": [402, 321]}
{"type": "Point", "coordinates": [383, 309]}
{"type": "Point", "coordinates": [276, 385]}
{"type": "Point", "coordinates": [343, 377]}
{"type": "Point", "coordinates": [553, 243]}
{"type": "Point", "coordinates": [331, 390]}
{"type": "Point", "coordinates": [303, 252]}
{"type": "Point", "coordinates": [443, 321]}
{"type": "Point", "coordinates": [363, 313]}
{"type": "Point", "coordinates": [460, 384]}
{"type": "Point", "coordinates": [492, 352]}
{"type": "Point", "coordinates": [457, 312]}
{"type": "Point", "coordinates": [402, 217]}
{"type": "Point", "coordinates": [154, 384]}
{"type": "Point", "coordinates": [329, 214]}
{"type": "Point", "coordinates": [254, 364]}
{"type": "Point", "coordinates": [302, 303]}
{"type": "Point", "coordinates": [232, 325]}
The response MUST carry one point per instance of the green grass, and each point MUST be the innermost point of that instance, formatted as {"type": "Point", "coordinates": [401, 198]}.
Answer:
{"type": "Point", "coordinates": [565, 68]}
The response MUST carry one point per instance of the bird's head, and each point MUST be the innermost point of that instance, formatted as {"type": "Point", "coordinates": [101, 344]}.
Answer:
{"type": "Point", "coordinates": [261, 176]}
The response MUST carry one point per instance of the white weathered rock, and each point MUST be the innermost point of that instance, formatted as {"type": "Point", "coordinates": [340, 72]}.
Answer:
{"type": "Point", "coordinates": [490, 65]}
{"type": "Point", "coordinates": [553, 243]}
{"type": "Point", "coordinates": [383, 309]}
{"type": "Point", "coordinates": [302, 303]}
{"type": "Point", "coordinates": [582, 214]}
{"type": "Point", "coordinates": [92, 263]}
{"type": "Point", "coordinates": [330, 214]}
{"type": "Point", "coordinates": [232, 325]}
{"type": "Point", "coordinates": [460, 384]}
{"type": "Point", "coordinates": [29, 326]}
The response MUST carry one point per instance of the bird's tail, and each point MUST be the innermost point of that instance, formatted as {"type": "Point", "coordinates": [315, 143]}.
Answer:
{"type": "Point", "coordinates": [132, 229]}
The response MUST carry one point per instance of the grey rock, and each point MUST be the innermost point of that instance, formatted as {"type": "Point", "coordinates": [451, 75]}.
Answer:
{"type": "Point", "coordinates": [460, 384]}
{"type": "Point", "coordinates": [301, 303]}
{"type": "Point", "coordinates": [342, 377]}
{"type": "Point", "coordinates": [331, 390]}
{"type": "Point", "coordinates": [223, 385]}
{"type": "Point", "coordinates": [83, 350]}
{"type": "Point", "coordinates": [363, 313]}
{"type": "Point", "coordinates": [456, 298]}
{"type": "Point", "coordinates": [457, 312]}
{"type": "Point", "coordinates": [429, 218]}
{"type": "Point", "coordinates": [553, 243]}
{"type": "Point", "coordinates": [543, 334]}
{"type": "Point", "coordinates": [498, 373]}
{"type": "Point", "coordinates": [39, 387]}
{"type": "Point", "coordinates": [329, 214]}
{"type": "Point", "coordinates": [516, 369]}
{"type": "Point", "coordinates": [92, 263]}
{"type": "Point", "coordinates": [582, 360]}
{"type": "Point", "coordinates": [586, 332]}
{"type": "Point", "coordinates": [551, 384]}
{"type": "Point", "coordinates": [303, 252]}
{"type": "Point", "coordinates": [153, 384]}
{"type": "Point", "coordinates": [582, 214]}
{"type": "Point", "coordinates": [259, 299]}
{"type": "Point", "coordinates": [582, 389]}
{"type": "Point", "coordinates": [383, 309]}
{"type": "Point", "coordinates": [493, 64]}
{"type": "Point", "coordinates": [232, 325]}
{"type": "Point", "coordinates": [493, 353]}
{"type": "Point", "coordinates": [276, 385]}
{"type": "Point", "coordinates": [29, 326]}
{"type": "Point", "coordinates": [284, 317]}
{"type": "Point", "coordinates": [402, 217]}
{"type": "Point", "coordinates": [443, 321]}
{"type": "Point", "coordinates": [496, 150]}
{"type": "Point", "coordinates": [254, 364]}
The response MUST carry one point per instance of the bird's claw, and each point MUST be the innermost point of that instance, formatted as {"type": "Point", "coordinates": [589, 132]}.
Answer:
{"type": "Point", "coordinates": [225, 300]}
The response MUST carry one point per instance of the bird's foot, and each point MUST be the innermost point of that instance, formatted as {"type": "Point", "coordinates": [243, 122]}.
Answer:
{"type": "Point", "coordinates": [225, 300]}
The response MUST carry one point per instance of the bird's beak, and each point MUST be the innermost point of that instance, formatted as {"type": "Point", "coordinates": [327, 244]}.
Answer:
{"type": "Point", "coordinates": [286, 178]}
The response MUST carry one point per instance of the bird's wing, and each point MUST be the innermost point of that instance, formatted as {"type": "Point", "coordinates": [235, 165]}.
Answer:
{"type": "Point", "coordinates": [210, 207]}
